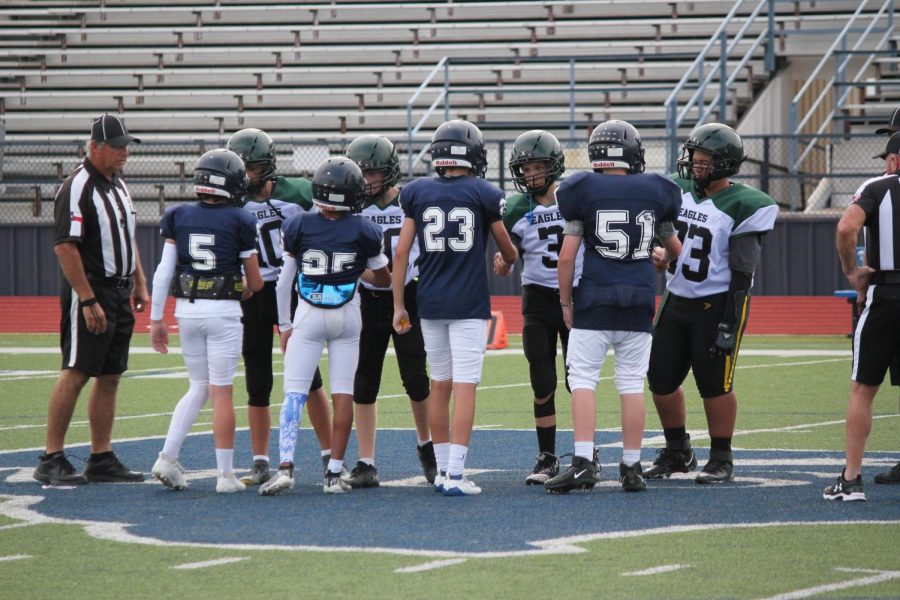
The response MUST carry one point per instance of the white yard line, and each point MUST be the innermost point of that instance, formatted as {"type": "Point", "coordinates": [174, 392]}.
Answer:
{"type": "Point", "coordinates": [843, 585]}
{"type": "Point", "coordinates": [15, 557]}
{"type": "Point", "coordinates": [437, 564]}
{"type": "Point", "coordinates": [655, 570]}
{"type": "Point", "coordinates": [209, 563]}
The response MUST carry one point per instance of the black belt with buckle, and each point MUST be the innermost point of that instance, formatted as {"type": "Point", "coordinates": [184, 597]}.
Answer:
{"type": "Point", "coordinates": [115, 282]}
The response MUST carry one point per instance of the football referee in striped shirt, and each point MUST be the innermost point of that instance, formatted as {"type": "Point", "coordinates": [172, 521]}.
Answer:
{"type": "Point", "coordinates": [102, 275]}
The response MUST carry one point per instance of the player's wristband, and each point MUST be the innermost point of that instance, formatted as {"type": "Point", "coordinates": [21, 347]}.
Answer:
{"type": "Point", "coordinates": [285, 328]}
{"type": "Point", "coordinates": [87, 303]}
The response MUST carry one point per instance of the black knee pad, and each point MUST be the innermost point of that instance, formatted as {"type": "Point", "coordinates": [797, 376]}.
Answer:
{"type": "Point", "coordinates": [547, 409]}
{"type": "Point", "coordinates": [316, 381]}
{"type": "Point", "coordinates": [543, 377]}
{"type": "Point", "coordinates": [365, 389]}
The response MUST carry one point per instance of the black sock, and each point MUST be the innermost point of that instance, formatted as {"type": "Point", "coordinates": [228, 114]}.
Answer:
{"type": "Point", "coordinates": [52, 455]}
{"type": "Point", "coordinates": [720, 443]}
{"type": "Point", "coordinates": [101, 456]}
{"type": "Point", "coordinates": [546, 439]}
{"type": "Point", "coordinates": [675, 434]}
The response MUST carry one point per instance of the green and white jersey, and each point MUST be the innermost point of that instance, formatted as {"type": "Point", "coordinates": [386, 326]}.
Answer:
{"type": "Point", "coordinates": [537, 230]}
{"type": "Point", "coordinates": [289, 197]}
{"type": "Point", "coordinates": [705, 227]}
{"type": "Point", "coordinates": [390, 219]}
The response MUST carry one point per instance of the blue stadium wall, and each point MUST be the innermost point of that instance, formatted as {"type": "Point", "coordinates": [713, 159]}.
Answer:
{"type": "Point", "coordinates": [798, 259]}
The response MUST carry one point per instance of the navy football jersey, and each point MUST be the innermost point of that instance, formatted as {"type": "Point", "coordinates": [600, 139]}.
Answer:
{"type": "Point", "coordinates": [209, 238]}
{"type": "Point", "coordinates": [331, 252]}
{"type": "Point", "coordinates": [453, 216]}
{"type": "Point", "coordinates": [620, 215]}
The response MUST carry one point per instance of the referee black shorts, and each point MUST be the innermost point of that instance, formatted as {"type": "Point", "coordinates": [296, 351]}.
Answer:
{"type": "Point", "coordinates": [103, 354]}
{"type": "Point", "coordinates": [876, 340]}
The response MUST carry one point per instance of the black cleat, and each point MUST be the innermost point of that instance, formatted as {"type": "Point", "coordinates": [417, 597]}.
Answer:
{"type": "Point", "coordinates": [109, 470]}
{"type": "Point", "coordinates": [719, 468]}
{"type": "Point", "coordinates": [546, 468]}
{"type": "Point", "coordinates": [892, 476]}
{"type": "Point", "coordinates": [846, 491]}
{"type": "Point", "coordinates": [429, 463]}
{"type": "Point", "coordinates": [676, 457]}
{"type": "Point", "coordinates": [363, 476]}
{"type": "Point", "coordinates": [632, 478]}
{"type": "Point", "coordinates": [582, 475]}
{"type": "Point", "coordinates": [259, 473]}
{"type": "Point", "coordinates": [55, 469]}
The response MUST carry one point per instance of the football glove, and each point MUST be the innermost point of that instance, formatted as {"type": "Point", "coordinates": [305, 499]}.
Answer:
{"type": "Point", "coordinates": [723, 345]}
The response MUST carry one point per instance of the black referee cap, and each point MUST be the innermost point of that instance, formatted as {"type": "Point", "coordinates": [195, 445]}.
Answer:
{"type": "Point", "coordinates": [893, 125]}
{"type": "Point", "coordinates": [111, 129]}
{"type": "Point", "coordinates": [893, 146]}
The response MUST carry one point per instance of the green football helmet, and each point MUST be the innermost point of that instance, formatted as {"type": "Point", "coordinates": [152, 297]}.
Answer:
{"type": "Point", "coordinates": [255, 147]}
{"type": "Point", "coordinates": [376, 154]}
{"type": "Point", "coordinates": [534, 146]}
{"type": "Point", "coordinates": [722, 143]}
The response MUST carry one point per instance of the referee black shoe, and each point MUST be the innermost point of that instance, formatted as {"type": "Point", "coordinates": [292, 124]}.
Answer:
{"type": "Point", "coordinates": [582, 475]}
{"type": "Point", "coordinates": [892, 476]}
{"type": "Point", "coordinates": [844, 490]}
{"type": "Point", "coordinates": [428, 461]}
{"type": "Point", "coordinates": [55, 469]}
{"type": "Point", "coordinates": [106, 468]}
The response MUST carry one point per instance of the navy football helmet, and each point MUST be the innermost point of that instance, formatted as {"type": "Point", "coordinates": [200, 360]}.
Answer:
{"type": "Point", "coordinates": [255, 147]}
{"type": "Point", "coordinates": [458, 143]}
{"type": "Point", "coordinates": [221, 173]}
{"type": "Point", "coordinates": [536, 146]}
{"type": "Point", "coordinates": [338, 184]}
{"type": "Point", "coordinates": [616, 145]}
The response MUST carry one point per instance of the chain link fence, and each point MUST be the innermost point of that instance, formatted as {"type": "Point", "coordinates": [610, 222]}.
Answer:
{"type": "Point", "coordinates": [160, 173]}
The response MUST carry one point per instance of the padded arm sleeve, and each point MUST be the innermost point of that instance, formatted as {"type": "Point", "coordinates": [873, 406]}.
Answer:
{"type": "Point", "coordinates": [162, 281]}
{"type": "Point", "coordinates": [283, 291]}
{"type": "Point", "coordinates": [743, 253]}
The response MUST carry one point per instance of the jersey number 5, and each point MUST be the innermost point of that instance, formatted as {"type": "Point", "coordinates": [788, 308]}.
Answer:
{"type": "Point", "coordinates": [615, 242]}
{"type": "Point", "coordinates": [435, 222]}
{"type": "Point", "coordinates": [316, 262]}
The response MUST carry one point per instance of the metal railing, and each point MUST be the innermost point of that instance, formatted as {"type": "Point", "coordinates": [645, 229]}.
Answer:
{"type": "Point", "coordinates": [836, 88]}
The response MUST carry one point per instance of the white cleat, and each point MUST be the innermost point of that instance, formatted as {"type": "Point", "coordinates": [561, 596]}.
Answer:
{"type": "Point", "coordinates": [229, 484]}
{"type": "Point", "coordinates": [283, 480]}
{"type": "Point", "coordinates": [460, 487]}
{"type": "Point", "coordinates": [170, 474]}
{"type": "Point", "coordinates": [334, 484]}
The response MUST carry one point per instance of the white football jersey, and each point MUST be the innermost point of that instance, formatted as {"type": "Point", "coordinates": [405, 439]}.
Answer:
{"type": "Point", "coordinates": [269, 217]}
{"type": "Point", "coordinates": [390, 219]}
{"type": "Point", "coordinates": [538, 231]}
{"type": "Point", "coordinates": [705, 228]}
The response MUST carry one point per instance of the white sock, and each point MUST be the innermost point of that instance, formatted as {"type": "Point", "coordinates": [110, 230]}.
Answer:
{"type": "Point", "coordinates": [368, 461]}
{"type": "Point", "coordinates": [584, 450]}
{"type": "Point", "coordinates": [629, 457]}
{"type": "Point", "coordinates": [225, 461]}
{"type": "Point", "coordinates": [442, 455]}
{"type": "Point", "coordinates": [423, 442]}
{"type": "Point", "coordinates": [335, 465]}
{"type": "Point", "coordinates": [457, 463]}
{"type": "Point", "coordinates": [260, 457]}
{"type": "Point", "coordinates": [325, 452]}
{"type": "Point", "coordinates": [183, 418]}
